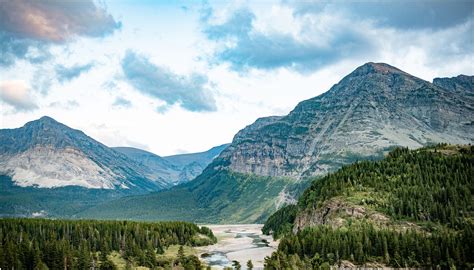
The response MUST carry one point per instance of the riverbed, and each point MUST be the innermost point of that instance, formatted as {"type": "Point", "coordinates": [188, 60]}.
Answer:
{"type": "Point", "coordinates": [240, 243]}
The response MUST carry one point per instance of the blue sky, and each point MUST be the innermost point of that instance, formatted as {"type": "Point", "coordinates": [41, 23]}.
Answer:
{"type": "Point", "coordinates": [183, 76]}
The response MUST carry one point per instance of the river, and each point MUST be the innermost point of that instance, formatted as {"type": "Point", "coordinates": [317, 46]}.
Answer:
{"type": "Point", "coordinates": [240, 243]}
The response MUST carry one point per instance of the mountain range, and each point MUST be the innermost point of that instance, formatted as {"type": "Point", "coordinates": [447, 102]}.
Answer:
{"type": "Point", "coordinates": [370, 111]}
{"type": "Point", "coordinates": [47, 158]}
{"type": "Point", "coordinates": [176, 169]}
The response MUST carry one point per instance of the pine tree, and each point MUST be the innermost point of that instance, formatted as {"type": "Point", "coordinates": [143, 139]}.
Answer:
{"type": "Point", "coordinates": [249, 265]}
{"type": "Point", "coordinates": [236, 265]}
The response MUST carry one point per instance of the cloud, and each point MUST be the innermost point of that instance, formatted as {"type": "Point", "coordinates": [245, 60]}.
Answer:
{"type": "Point", "coordinates": [403, 14]}
{"type": "Point", "coordinates": [310, 48]}
{"type": "Point", "coordinates": [122, 102]}
{"type": "Point", "coordinates": [190, 92]}
{"type": "Point", "coordinates": [18, 95]}
{"type": "Point", "coordinates": [27, 27]}
{"type": "Point", "coordinates": [64, 73]}
{"type": "Point", "coordinates": [70, 104]}
{"type": "Point", "coordinates": [306, 36]}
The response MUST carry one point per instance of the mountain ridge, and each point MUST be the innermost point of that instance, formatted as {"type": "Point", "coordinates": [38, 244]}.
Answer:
{"type": "Point", "coordinates": [377, 94]}
{"type": "Point", "coordinates": [176, 169]}
{"type": "Point", "coordinates": [46, 153]}
{"type": "Point", "coordinates": [343, 125]}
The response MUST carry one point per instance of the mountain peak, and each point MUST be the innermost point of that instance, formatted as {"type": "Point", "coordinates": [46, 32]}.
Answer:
{"type": "Point", "coordinates": [44, 121]}
{"type": "Point", "coordinates": [376, 68]}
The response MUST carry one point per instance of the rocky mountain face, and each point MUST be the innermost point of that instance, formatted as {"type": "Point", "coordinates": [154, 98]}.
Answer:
{"type": "Point", "coordinates": [158, 168]}
{"type": "Point", "coordinates": [367, 113]}
{"type": "Point", "coordinates": [461, 83]}
{"type": "Point", "coordinates": [174, 169]}
{"type": "Point", "coordinates": [47, 154]}
{"type": "Point", "coordinates": [371, 110]}
{"type": "Point", "coordinates": [191, 165]}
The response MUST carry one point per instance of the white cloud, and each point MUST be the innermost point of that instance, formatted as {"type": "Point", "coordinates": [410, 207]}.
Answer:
{"type": "Point", "coordinates": [173, 40]}
{"type": "Point", "coordinates": [17, 94]}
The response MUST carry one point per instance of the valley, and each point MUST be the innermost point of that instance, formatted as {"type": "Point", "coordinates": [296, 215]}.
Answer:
{"type": "Point", "coordinates": [356, 176]}
{"type": "Point", "coordinates": [236, 135]}
{"type": "Point", "coordinates": [240, 242]}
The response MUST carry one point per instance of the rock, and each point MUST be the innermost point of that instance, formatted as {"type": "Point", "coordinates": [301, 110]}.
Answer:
{"type": "Point", "coordinates": [370, 111]}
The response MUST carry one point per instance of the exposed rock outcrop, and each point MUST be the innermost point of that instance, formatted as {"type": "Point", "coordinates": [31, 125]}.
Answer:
{"type": "Point", "coordinates": [371, 110]}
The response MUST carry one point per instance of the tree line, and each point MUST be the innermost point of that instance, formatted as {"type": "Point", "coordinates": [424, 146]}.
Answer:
{"type": "Point", "coordinates": [323, 246]}
{"type": "Point", "coordinates": [431, 187]}
{"type": "Point", "coordinates": [82, 244]}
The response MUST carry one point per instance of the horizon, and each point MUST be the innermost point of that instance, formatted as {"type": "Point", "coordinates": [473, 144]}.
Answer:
{"type": "Point", "coordinates": [174, 78]}
{"type": "Point", "coordinates": [199, 151]}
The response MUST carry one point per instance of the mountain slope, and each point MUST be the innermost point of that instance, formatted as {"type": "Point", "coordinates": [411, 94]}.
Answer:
{"type": "Point", "coordinates": [175, 169]}
{"type": "Point", "coordinates": [215, 196]}
{"type": "Point", "coordinates": [370, 111]}
{"type": "Point", "coordinates": [461, 83]}
{"type": "Point", "coordinates": [201, 158]}
{"type": "Point", "coordinates": [46, 154]}
{"type": "Point", "coordinates": [409, 203]}
{"type": "Point", "coordinates": [158, 167]}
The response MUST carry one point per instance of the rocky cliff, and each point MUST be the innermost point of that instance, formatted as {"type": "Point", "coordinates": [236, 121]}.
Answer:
{"type": "Point", "coordinates": [371, 110]}
{"type": "Point", "coordinates": [46, 154]}
{"type": "Point", "coordinates": [461, 83]}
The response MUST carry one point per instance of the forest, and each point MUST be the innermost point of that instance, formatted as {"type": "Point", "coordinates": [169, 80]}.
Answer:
{"type": "Point", "coordinates": [430, 190]}
{"type": "Point", "coordinates": [82, 244]}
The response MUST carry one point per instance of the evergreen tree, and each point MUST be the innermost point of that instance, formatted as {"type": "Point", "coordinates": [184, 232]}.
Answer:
{"type": "Point", "coordinates": [249, 265]}
{"type": "Point", "coordinates": [236, 265]}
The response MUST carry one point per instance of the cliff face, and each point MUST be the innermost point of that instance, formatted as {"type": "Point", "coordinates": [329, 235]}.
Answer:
{"type": "Point", "coordinates": [371, 110]}
{"type": "Point", "coordinates": [461, 83]}
{"type": "Point", "coordinates": [46, 154]}
{"type": "Point", "coordinates": [374, 108]}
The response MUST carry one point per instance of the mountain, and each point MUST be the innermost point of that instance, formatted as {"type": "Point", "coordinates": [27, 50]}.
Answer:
{"type": "Point", "coordinates": [49, 169]}
{"type": "Point", "coordinates": [461, 83]}
{"type": "Point", "coordinates": [375, 213]}
{"type": "Point", "coordinates": [158, 167]}
{"type": "Point", "coordinates": [46, 154]}
{"type": "Point", "coordinates": [175, 169]}
{"type": "Point", "coordinates": [201, 159]}
{"type": "Point", "coordinates": [370, 111]}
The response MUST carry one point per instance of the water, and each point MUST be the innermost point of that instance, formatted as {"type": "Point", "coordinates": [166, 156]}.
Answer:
{"type": "Point", "coordinates": [216, 258]}
{"type": "Point", "coordinates": [240, 243]}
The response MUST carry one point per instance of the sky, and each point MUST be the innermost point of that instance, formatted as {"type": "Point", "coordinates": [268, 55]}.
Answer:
{"type": "Point", "coordinates": [176, 77]}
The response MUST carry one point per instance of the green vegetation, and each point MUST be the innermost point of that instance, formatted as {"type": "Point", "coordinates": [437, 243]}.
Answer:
{"type": "Point", "coordinates": [249, 265]}
{"type": "Point", "coordinates": [281, 221]}
{"type": "Point", "coordinates": [54, 202]}
{"type": "Point", "coordinates": [216, 196]}
{"type": "Point", "coordinates": [430, 184]}
{"type": "Point", "coordinates": [236, 265]}
{"type": "Point", "coordinates": [61, 244]}
{"type": "Point", "coordinates": [363, 243]}
{"type": "Point", "coordinates": [426, 199]}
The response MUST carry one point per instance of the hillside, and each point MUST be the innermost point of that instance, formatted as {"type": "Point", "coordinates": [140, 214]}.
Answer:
{"type": "Point", "coordinates": [193, 164]}
{"type": "Point", "coordinates": [413, 198]}
{"type": "Point", "coordinates": [87, 244]}
{"type": "Point", "coordinates": [47, 154]}
{"type": "Point", "coordinates": [158, 167]}
{"type": "Point", "coordinates": [215, 196]}
{"type": "Point", "coordinates": [460, 83]}
{"type": "Point", "coordinates": [176, 169]}
{"type": "Point", "coordinates": [50, 169]}
{"type": "Point", "coordinates": [370, 111]}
